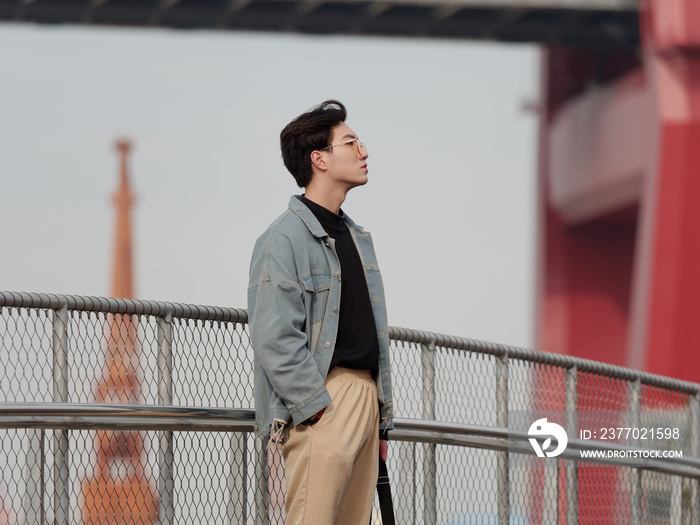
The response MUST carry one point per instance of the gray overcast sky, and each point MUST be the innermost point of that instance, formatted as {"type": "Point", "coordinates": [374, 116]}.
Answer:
{"type": "Point", "coordinates": [450, 201]}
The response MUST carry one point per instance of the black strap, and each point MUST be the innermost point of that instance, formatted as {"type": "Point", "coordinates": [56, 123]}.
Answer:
{"type": "Point", "coordinates": [384, 493]}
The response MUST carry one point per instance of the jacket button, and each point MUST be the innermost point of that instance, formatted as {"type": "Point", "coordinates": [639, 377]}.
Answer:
{"type": "Point", "coordinates": [327, 345]}
{"type": "Point", "coordinates": [335, 309]}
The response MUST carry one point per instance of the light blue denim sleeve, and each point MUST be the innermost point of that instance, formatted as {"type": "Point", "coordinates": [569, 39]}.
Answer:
{"type": "Point", "coordinates": [277, 316]}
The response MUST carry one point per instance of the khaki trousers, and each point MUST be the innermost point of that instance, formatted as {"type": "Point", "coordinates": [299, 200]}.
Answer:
{"type": "Point", "coordinates": [331, 469]}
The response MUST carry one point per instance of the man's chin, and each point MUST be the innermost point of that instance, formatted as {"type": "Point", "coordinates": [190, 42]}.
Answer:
{"type": "Point", "coordinates": [363, 180]}
{"type": "Point", "coordinates": [358, 182]}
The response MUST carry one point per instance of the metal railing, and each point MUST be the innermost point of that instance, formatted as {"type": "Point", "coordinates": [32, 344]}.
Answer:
{"type": "Point", "coordinates": [460, 454]}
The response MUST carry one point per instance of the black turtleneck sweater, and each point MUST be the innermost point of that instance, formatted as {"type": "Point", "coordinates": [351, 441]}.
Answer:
{"type": "Point", "coordinates": [356, 344]}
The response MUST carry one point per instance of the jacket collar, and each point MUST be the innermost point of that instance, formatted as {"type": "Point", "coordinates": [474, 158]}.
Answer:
{"type": "Point", "coordinates": [306, 215]}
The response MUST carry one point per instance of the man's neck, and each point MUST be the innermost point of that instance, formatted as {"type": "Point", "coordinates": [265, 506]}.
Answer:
{"type": "Point", "coordinates": [331, 200]}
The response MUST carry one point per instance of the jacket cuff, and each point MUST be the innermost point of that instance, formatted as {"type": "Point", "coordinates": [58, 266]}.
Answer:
{"type": "Point", "coordinates": [310, 406]}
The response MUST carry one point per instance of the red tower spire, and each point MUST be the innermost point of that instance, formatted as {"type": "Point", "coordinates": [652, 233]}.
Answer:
{"type": "Point", "coordinates": [118, 491]}
{"type": "Point", "coordinates": [122, 277]}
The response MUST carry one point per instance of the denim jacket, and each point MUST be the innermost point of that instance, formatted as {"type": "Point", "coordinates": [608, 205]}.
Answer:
{"type": "Point", "coordinates": [293, 307]}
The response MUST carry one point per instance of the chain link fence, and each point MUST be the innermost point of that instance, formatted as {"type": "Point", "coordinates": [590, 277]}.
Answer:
{"type": "Point", "coordinates": [139, 412]}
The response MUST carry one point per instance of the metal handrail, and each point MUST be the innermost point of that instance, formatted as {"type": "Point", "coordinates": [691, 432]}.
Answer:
{"type": "Point", "coordinates": [238, 315]}
{"type": "Point", "coordinates": [83, 303]}
{"type": "Point", "coordinates": [101, 416]}
{"type": "Point", "coordinates": [95, 416]}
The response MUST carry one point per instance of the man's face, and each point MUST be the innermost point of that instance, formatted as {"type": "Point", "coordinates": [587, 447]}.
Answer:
{"type": "Point", "coordinates": [346, 161]}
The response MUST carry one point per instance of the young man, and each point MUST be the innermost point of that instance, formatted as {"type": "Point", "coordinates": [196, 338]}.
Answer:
{"type": "Point", "coordinates": [319, 330]}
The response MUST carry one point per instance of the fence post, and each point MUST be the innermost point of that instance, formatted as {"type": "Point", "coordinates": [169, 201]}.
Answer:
{"type": "Point", "coordinates": [550, 505]}
{"type": "Point", "coordinates": [60, 395]}
{"type": "Point", "coordinates": [695, 452]}
{"type": "Point", "coordinates": [262, 495]}
{"type": "Point", "coordinates": [405, 482]}
{"type": "Point", "coordinates": [572, 429]}
{"type": "Point", "coordinates": [429, 460]}
{"type": "Point", "coordinates": [550, 489]}
{"type": "Point", "coordinates": [237, 509]}
{"type": "Point", "coordinates": [676, 503]}
{"type": "Point", "coordinates": [636, 474]}
{"type": "Point", "coordinates": [502, 421]}
{"type": "Point", "coordinates": [35, 476]}
{"type": "Point", "coordinates": [166, 510]}
{"type": "Point", "coordinates": [36, 484]}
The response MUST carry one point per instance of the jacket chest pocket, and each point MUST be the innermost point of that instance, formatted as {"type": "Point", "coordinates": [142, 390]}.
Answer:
{"type": "Point", "coordinates": [317, 288]}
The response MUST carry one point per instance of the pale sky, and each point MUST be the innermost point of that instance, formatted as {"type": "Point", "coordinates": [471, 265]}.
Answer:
{"type": "Point", "coordinates": [450, 200]}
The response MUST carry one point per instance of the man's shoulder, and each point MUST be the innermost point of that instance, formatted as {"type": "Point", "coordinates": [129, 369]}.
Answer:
{"type": "Point", "coordinates": [285, 240]}
{"type": "Point", "coordinates": [284, 237]}
{"type": "Point", "coordinates": [286, 225]}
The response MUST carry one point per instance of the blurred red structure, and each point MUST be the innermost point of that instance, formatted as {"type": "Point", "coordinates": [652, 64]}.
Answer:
{"type": "Point", "coordinates": [618, 225]}
{"type": "Point", "coordinates": [119, 492]}
{"type": "Point", "coordinates": [618, 179]}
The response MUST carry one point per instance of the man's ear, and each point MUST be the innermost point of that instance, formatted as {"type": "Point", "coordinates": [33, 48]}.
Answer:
{"type": "Point", "coordinates": [318, 160]}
